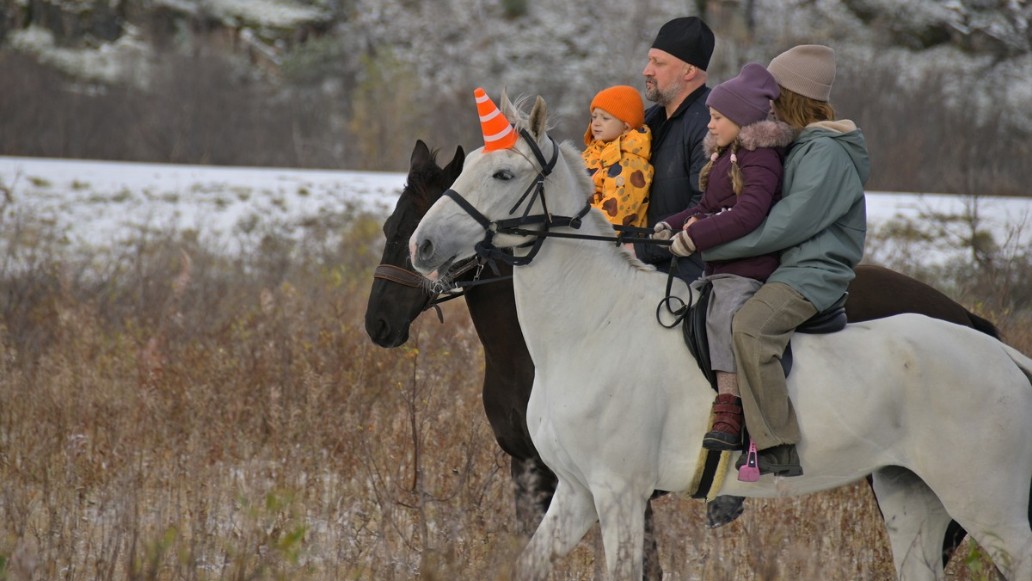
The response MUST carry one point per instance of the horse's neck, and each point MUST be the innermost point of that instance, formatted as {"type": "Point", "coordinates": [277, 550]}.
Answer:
{"type": "Point", "coordinates": [492, 308]}
{"type": "Point", "coordinates": [573, 288]}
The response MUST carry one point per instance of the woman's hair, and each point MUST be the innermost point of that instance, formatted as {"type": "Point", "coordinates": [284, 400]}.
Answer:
{"type": "Point", "coordinates": [736, 172]}
{"type": "Point", "coordinates": [799, 111]}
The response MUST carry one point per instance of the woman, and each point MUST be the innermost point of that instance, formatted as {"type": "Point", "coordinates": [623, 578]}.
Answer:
{"type": "Point", "coordinates": [819, 228]}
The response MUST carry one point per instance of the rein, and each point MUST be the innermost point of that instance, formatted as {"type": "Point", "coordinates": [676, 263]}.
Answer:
{"type": "Point", "coordinates": [712, 466]}
{"type": "Point", "coordinates": [487, 251]}
{"type": "Point", "coordinates": [633, 234]}
{"type": "Point", "coordinates": [536, 191]}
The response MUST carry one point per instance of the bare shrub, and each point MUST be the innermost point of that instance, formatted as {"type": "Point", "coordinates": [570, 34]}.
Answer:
{"type": "Point", "coordinates": [926, 136]}
{"type": "Point", "coordinates": [958, 253]}
{"type": "Point", "coordinates": [196, 108]}
{"type": "Point", "coordinates": [170, 412]}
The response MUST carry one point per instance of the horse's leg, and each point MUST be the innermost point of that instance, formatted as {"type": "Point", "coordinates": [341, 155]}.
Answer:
{"type": "Point", "coordinates": [622, 518]}
{"type": "Point", "coordinates": [533, 485]}
{"type": "Point", "coordinates": [652, 570]}
{"type": "Point", "coordinates": [568, 518]}
{"type": "Point", "coordinates": [955, 534]}
{"type": "Point", "coordinates": [723, 510]}
{"type": "Point", "coordinates": [999, 524]}
{"type": "Point", "coordinates": [1008, 544]}
{"type": "Point", "coordinates": [916, 521]}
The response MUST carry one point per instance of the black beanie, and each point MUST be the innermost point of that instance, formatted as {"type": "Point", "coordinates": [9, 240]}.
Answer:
{"type": "Point", "coordinates": [688, 38]}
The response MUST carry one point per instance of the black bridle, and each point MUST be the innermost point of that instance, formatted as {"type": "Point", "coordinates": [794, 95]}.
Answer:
{"type": "Point", "coordinates": [536, 191]}
{"type": "Point", "coordinates": [486, 250]}
{"type": "Point", "coordinates": [487, 253]}
{"type": "Point", "coordinates": [548, 221]}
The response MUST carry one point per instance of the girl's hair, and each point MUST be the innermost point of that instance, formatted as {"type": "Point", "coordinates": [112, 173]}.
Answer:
{"type": "Point", "coordinates": [736, 172]}
{"type": "Point", "coordinates": [799, 111]}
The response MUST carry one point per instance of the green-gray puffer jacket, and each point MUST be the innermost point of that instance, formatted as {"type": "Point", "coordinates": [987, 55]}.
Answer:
{"type": "Point", "coordinates": [820, 224]}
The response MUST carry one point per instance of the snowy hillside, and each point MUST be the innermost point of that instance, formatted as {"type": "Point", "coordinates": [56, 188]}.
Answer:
{"type": "Point", "coordinates": [940, 89]}
{"type": "Point", "coordinates": [554, 47]}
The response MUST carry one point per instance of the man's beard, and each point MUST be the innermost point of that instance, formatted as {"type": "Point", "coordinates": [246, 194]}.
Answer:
{"type": "Point", "coordinates": [652, 92]}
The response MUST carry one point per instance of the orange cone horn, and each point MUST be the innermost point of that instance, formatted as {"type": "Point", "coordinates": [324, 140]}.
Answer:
{"type": "Point", "coordinates": [498, 132]}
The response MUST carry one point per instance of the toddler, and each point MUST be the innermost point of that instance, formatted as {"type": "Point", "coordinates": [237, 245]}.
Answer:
{"type": "Point", "coordinates": [619, 145]}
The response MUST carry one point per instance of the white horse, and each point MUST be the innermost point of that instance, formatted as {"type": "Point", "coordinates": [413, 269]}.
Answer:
{"type": "Point", "coordinates": [940, 414]}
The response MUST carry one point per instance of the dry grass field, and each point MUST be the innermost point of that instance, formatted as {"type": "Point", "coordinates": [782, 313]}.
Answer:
{"type": "Point", "coordinates": [169, 413]}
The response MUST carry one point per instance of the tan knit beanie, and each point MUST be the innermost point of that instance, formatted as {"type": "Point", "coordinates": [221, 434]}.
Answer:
{"type": "Point", "coordinates": [807, 69]}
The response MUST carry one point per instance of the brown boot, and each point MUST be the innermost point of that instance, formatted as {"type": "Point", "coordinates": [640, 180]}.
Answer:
{"type": "Point", "coordinates": [727, 424]}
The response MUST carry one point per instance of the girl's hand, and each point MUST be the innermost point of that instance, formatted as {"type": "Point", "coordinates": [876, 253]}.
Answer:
{"type": "Point", "coordinates": [683, 245]}
{"type": "Point", "coordinates": [662, 231]}
{"type": "Point", "coordinates": [690, 221]}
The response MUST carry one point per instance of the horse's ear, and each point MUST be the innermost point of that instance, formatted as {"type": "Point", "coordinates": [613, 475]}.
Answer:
{"type": "Point", "coordinates": [538, 118]}
{"type": "Point", "coordinates": [420, 154]}
{"type": "Point", "coordinates": [506, 106]}
{"type": "Point", "coordinates": [454, 167]}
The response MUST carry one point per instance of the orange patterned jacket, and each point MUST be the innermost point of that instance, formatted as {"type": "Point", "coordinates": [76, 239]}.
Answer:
{"type": "Point", "coordinates": [622, 175]}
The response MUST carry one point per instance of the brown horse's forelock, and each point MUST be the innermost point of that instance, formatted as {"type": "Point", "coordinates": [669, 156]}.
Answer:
{"type": "Point", "coordinates": [426, 184]}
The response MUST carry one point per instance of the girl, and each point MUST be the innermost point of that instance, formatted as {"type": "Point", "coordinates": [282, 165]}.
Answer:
{"type": "Point", "coordinates": [740, 184]}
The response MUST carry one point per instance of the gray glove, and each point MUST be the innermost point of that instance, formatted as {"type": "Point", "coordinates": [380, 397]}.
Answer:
{"type": "Point", "coordinates": [683, 245]}
{"type": "Point", "coordinates": [662, 231]}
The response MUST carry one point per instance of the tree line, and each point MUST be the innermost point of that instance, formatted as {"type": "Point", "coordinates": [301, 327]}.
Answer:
{"type": "Point", "coordinates": [202, 107]}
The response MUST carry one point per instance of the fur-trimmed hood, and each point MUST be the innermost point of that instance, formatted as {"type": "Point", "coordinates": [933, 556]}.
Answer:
{"type": "Point", "coordinates": [768, 133]}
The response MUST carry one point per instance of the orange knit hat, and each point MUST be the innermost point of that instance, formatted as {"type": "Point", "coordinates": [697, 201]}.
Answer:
{"type": "Point", "coordinates": [498, 132]}
{"type": "Point", "coordinates": [620, 101]}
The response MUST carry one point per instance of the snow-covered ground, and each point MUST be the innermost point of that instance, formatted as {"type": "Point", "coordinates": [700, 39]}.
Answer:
{"type": "Point", "coordinates": [99, 202]}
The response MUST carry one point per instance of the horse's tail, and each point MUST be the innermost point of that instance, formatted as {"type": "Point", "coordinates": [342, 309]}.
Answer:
{"type": "Point", "coordinates": [984, 325]}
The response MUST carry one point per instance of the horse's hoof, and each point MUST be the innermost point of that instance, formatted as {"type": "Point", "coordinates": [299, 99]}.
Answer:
{"type": "Point", "coordinates": [723, 509]}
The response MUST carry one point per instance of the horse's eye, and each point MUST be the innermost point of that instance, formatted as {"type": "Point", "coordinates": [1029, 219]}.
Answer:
{"type": "Point", "coordinates": [503, 174]}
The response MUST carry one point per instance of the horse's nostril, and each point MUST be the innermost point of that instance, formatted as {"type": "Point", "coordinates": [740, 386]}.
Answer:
{"type": "Point", "coordinates": [377, 328]}
{"type": "Point", "coordinates": [426, 250]}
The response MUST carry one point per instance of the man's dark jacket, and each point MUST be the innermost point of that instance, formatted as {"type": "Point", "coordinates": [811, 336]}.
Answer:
{"type": "Point", "coordinates": [678, 157]}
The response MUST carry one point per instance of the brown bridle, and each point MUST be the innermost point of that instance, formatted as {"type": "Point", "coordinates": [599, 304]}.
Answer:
{"type": "Point", "coordinates": [399, 275]}
{"type": "Point", "coordinates": [412, 279]}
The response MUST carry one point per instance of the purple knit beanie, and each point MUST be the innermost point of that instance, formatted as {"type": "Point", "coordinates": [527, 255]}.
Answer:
{"type": "Point", "coordinates": [745, 99]}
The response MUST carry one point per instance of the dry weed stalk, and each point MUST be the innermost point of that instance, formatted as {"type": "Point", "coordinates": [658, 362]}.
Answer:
{"type": "Point", "coordinates": [271, 440]}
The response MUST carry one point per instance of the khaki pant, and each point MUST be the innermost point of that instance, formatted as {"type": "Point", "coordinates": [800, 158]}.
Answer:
{"type": "Point", "coordinates": [760, 331]}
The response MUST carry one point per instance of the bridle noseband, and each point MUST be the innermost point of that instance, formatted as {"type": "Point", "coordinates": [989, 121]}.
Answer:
{"type": "Point", "coordinates": [435, 296]}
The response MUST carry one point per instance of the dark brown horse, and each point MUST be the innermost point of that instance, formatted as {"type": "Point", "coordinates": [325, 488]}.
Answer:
{"type": "Point", "coordinates": [398, 297]}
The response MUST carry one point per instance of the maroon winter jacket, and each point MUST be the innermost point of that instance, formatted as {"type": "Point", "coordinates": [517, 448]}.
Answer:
{"type": "Point", "coordinates": [723, 216]}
